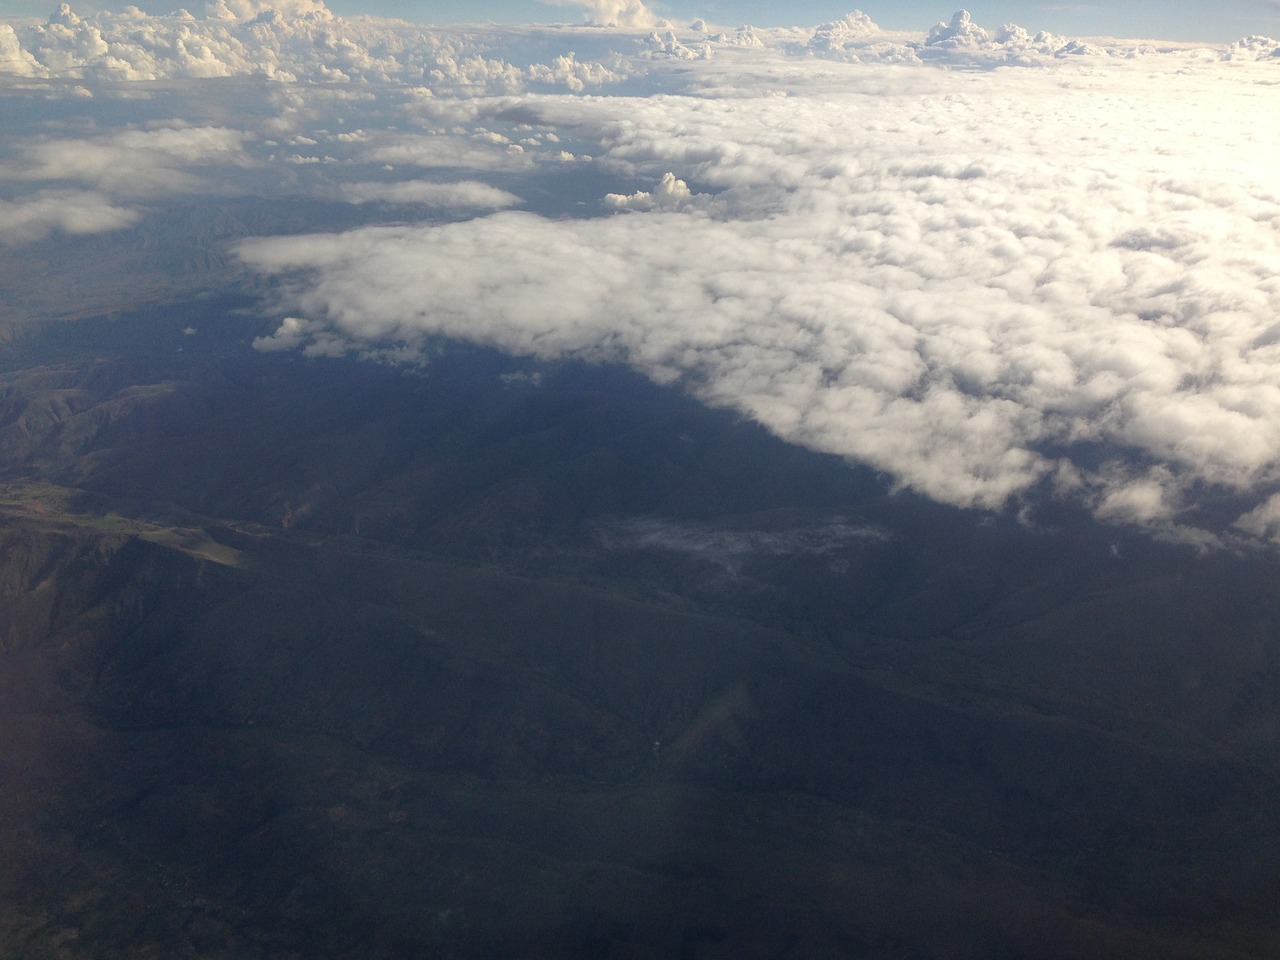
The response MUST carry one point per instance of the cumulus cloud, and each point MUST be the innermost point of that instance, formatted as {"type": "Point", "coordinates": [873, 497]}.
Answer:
{"type": "Point", "coordinates": [1263, 521]}
{"type": "Point", "coordinates": [134, 162]}
{"type": "Point", "coordinates": [70, 211]}
{"type": "Point", "coordinates": [295, 332]}
{"type": "Point", "coordinates": [575, 75]}
{"type": "Point", "coordinates": [960, 32]}
{"type": "Point", "coordinates": [839, 35]}
{"type": "Point", "coordinates": [13, 58]}
{"type": "Point", "coordinates": [990, 284]}
{"type": "Point", "coordinates": [667, 46]}
{"type": "Point", "coordinates": [301, 40]}
{"type": "Point", "coordinates": [910, 273]}
{"type": "Point", "coordinates": [291, 333]}
{"type": "Point", "coordinates": [290, 41]}
{"type": "Point", "coordinates": [250, 9]}
{"type": "Point", "coordinates": [670, 193]}
{"type": "Point", "coordinates": [612, 13]}
{"type": "Point", "coordinates": [1253, 47]}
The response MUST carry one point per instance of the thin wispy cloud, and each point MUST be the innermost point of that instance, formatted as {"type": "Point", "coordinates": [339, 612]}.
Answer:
{"type": "Point", "coordinates": [453, 196]}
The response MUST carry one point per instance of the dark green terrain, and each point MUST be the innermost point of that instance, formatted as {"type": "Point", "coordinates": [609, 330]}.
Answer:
{"type": "Point", "coordinates": [329, 659]}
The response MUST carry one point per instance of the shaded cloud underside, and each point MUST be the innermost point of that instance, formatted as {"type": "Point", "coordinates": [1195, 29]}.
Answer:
{"type": "Point", "coordinates": [982, 282]}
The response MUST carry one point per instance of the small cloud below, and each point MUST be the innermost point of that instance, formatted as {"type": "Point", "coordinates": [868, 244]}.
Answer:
{"type": "Point", "coordinates": [32, 218]}
{"type": "Point", "coordinates": [1263, 521]}
{"type": "Point", "coordinates": [291, 334]}
{"type": "Point", "coordinates": [467, 194]}
{"type": "Point", "coordinates": [670, 193]}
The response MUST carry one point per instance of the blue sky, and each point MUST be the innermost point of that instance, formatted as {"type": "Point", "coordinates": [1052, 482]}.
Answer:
{"type": "Point", "coordinates": [1170, 20]}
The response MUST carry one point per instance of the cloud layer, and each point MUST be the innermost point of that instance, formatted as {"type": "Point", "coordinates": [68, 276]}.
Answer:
{"type": "Point", "coordinates": [291, 40]}
{"type": "Point", "coordinates": [980, 284]}
{"type": "Point", "coordinates": [1053, 272]}
{"type": "Point", "coordinates": [286, 42]}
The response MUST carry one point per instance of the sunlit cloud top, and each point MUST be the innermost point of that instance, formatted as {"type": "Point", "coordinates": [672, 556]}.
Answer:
{"type": "Point", "coordinates": [996, 263]}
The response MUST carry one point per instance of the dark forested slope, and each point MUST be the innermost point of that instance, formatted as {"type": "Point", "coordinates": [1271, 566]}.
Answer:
{"type": "Point", "coordinates": [491, 658]}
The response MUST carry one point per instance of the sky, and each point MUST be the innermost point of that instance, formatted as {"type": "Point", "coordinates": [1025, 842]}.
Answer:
{"type": "Point", "coordinates": [1002, 266]}
{"type": "Point", "coordinates": [1189, 20]}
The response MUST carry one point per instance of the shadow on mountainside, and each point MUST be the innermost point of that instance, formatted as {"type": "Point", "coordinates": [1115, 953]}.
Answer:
{"type": "Point", "coordinates": [496, 658]}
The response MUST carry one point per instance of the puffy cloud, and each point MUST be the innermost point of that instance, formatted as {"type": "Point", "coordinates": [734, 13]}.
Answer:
{"type": "Point", "coordinates": [612, 13]}
{"type": "Point", "coordinates": [573, 74]}
{"type": "Point", "coordinates": [69, 211]}
{"type": "Point", "coordinates": [1263, 521]}
{"type": "Point", "coordinates": [669, 194]}
{"type": "Point", "coordinates": [965, 40]}
{"type": "Point", "coordinates": [839, 35]}
{"type": "Point", "coordinates": [987, 283]}
{"type": "Point", "coordinates": [131, 162]}
{"type": "Point", "coordinates": [251, 9]}
{"type": "Point", "coordinates": [667, 46]}
{"type": "Point", "coordinates": [960, 32]}
{"type": "Point", "coordinates": [744, 36]}
{"type": "Point", "coordinates": [14, 59]}
{"type": "Point", "coordinates": [289, 40]}
{"type": "Point", "coordinates": [291, 334]}
{"type": "Point", "coordinates": [295, 332]}
{"type": "Point", "coordinates": [1248, 48]}
{"type": "Point", "coordinates": [974, 282]}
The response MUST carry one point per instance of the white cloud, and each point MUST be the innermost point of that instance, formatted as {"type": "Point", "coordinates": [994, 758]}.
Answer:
{"type": "Point", "coordinates": [435, 151]}
{"type": "Point", "coordinates": [612, 13]}
{"type": "Point", "coordinates": [961, 279]}
{"type": "Point", "coordinates": [985, 282]}
{"type": "Point", "coordinates": [290, 40]}
{"type": "Point", "coordinates": [33, 218]}
{"type": "Point", "coordinates": [1255, 48]}
{"type": "Point", "coordinates": [451, 196]}
{"type": "Point", "coordinates": [13, 58]}
{"type": "Point", "coordinates": [667, 46]}
{"type": "Point", "coordinates": [249, 9]}
{"type": "Point", "coordinates": [131, 162]}
{"type": "Point", "coordinates": [670, 193]}
{"type": "Point", "coordinates": [1263, 521]}
{"type": "Point", "coordinates": [960, 32]}
{"type": "Point", "coordinates": [292, 333]}
{"type": "Point", "coordinates": [839, 35]}
{"type": "Point", "coordinates": [575, 75]}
